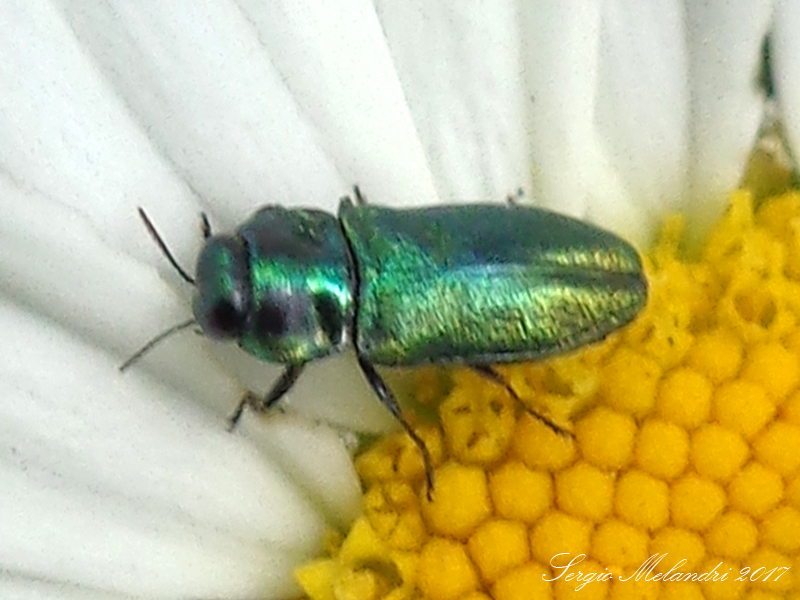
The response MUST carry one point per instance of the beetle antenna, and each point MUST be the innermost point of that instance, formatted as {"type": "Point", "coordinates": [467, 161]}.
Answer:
{"type": "Point", "coordinates": [164, 250]}
{"type": "Point", "coordinates": [154, 342]}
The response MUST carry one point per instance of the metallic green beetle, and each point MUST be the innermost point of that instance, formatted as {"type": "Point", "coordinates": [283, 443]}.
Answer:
{"type": "Point", "coordinates": [470, 284]}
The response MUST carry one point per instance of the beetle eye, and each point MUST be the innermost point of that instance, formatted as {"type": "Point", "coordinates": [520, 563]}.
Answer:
{"type": "Point", "coordinates": [224, 320]}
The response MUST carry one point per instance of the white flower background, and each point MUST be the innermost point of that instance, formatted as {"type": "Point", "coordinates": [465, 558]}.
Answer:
{"type": "Point", "coordinates": [128, 485]}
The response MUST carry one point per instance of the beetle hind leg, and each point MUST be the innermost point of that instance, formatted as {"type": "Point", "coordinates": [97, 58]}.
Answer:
{"type": "Point", "coordinates": [263, 403]}
{"type": "Point", "coordinates": [490, 373]}
{"type": "Point", "coordinates": [389, 401]}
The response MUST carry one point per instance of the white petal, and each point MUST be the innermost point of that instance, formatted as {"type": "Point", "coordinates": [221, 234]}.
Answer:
{"type": "Point", "coordinates": [571, 168]}
{"type": "Point", "coordinates": [641, 107]}
{"type": "Point", "coordinates": [57, 264]}
{"type": "Point", "coordinates": [459, 64]}
{"type": "Point", "coordinates": [67, 135]}
{"type": "Point", "coordinates": [158, 498]}
{"type": "Point", "coordinates": [197, 80]}
{"type": "Point", "coordinates": [642, 99]}
{"type": "Point", "coordinates": [24, 588]}
{"type": "Point", "coordinates": [725, 39]}
{"type": "Point", "coordinates": [314, 458]}
{"type": "Point", "coordinates": [333, 56]}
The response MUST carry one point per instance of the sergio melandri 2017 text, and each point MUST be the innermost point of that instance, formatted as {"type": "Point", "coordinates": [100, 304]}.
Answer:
{"type": "Point", "coordinates": [566, 571]}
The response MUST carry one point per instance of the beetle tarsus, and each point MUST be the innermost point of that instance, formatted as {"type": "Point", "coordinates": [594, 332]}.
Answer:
{"type": "Point", "coordinates": [549, 423]}
{"type": "Point", "coordinates": [284, 383]}
{"type": "Point", "coordinates": [489, 372]}
{"type": "Point", "coordinates": [516, 198]}
{"type": "Point", "coordinates": [205, 226]}
{"type": "Point", "coordinates": [389, 401]}
{"type": "Point", "coordinates": [233, 419]}
{"type": "Point", "coordinates": [360, 199]}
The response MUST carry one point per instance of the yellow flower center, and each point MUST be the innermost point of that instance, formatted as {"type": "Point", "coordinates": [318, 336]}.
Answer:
{"type": "Point", "coordinates": [681, 478]}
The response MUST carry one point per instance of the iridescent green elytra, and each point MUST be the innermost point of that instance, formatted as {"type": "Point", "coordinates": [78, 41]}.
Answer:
{"type": "Point", "coordinates": [485, 283]}
{"type": "Point", "coordinates": [472, 284]}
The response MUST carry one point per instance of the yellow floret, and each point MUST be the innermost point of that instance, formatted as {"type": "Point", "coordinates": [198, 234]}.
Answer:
{"type": "Point", "coordinates": [498, 546]}
{"type": "Point", "coordinates": [360, 585]}
{"type": "Point", "coordinates": [764, 595]}
{"type": "Point", "coordinates": [525, 583]}
{"type": "Point", "coordinates": [778, 214]}
{"type": "Point", "coordinates": [362, 545]}
{"type": "Point", "coordinates": [717, 453]}
{"type": "Point", "coordinates": [629, 381]}
{"type": "Point", "coordinates": [585, 580]}
{"type": "Point", "coordinates": [343, 577]}
{"type": "Point", "coordinates": [317, 578]}
{"type": "Point", "coordinates": [793, 491]}
{"type": "Point", "coordinates": [477, 428]}
{"type": "Point", "coordinates": [397, 457]}
{"type": "Point", "coordinates": [476, 596]}
{"type": "Point", "coordinates": [556, 533]}
{"type": "Point", "coordinates": [678, 545]}
{"type": "Point", "coordinates": [717, 354]}
{"type": "Point", "coordinates": [684, 398]}
{"type": "Point", "coordinates": [584, 491]}
{"type": "Point", "coordinates": [771, 570]}
{"type": "Point", "coordinates": [642, 500]}
{"type": "Point", "coordinates": [755, 489]}
{"type": "Point", "coordinates": [662, 449]}
{"type": "Point", "coordinates": [606, 437]}
{"type": "Point", "coordinates": [539, 447]}
{"type": "Point", "coordinates": [733, 535]}
{"type": "Point", "coordinates": [717, 588]}
{"type": "Point", "coordinates": [520, 493]}
{"type": "Point", "coordinates": [774, 367]}
{"type": "Point", "coordinates": [781, 529]}
{"type": "Point", "coordinates": [445, 571]}
{"type": "Point", "coordinates": [695, 502]}
{"type": "Point", "coordinates": [620, 545]}
{"type": "Point", "coordinates": [460, 501]}
{"type": "Point", "coordinates": [743, 406]}
{"type": "Point", "coordinates": [393, 512]}
{"type": "Point", "coordinates": [790, 410]}
{"type": "Point", "coordinates": [636, 589]}
{"type": "Point", "coordinates": [778, 448]}
{"type": "Point", "coordinates": [683, 590]}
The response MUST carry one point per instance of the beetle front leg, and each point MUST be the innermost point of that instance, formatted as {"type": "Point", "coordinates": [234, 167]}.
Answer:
{"type": "Point", "coordinates": [389, 401]}
{"type": "Point", "coordinates": [489, 372]}
{"type": "Point", "coordinates": [284, 383]}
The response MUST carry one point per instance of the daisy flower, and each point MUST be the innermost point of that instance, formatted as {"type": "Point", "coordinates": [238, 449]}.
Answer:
{"type": "Point", "coordinates": [128, 485]}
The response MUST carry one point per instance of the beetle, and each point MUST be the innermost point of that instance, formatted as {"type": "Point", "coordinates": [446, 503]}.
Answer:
{"type": "Point", "coordinates": [476, 284]}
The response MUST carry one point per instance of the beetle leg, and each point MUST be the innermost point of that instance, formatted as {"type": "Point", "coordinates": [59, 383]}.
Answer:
{"type": "Point", "coordinates": [360, 200]}
{"type": "Point", "coordinates": [489, 372]}
{"type": "Point", "coordinates": [279, 388]}
{"type": "Point", "coordinates": [388, 400]}
{"type": "Point", "coordinates": [516, 198]}
{"type": "Point", "coordinates": [205, 226]}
